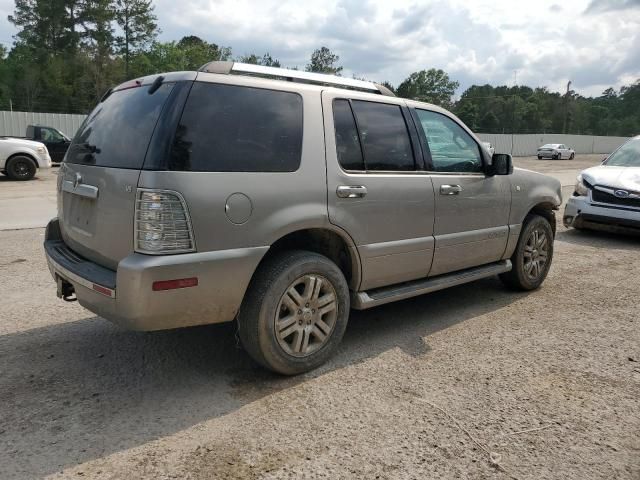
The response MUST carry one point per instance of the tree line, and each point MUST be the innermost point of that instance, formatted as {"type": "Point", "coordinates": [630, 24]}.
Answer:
{"type": "Point", "coordinates": [67, 53]}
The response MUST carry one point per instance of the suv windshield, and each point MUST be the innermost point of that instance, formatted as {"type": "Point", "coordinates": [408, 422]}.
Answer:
{"type": "Point", "coordinates": [628, 155]}
{"type": "Point", "coordinates": [117, 132]}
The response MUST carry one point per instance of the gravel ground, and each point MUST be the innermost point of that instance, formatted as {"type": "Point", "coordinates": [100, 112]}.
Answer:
{"type": "Point", "coordinates": [472, 382]}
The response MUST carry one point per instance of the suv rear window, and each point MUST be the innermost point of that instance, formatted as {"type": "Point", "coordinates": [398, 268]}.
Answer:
{"type": "Point", "coordinates": [117, 132]}
{"type": "Point", "coordinates": [229, 128]}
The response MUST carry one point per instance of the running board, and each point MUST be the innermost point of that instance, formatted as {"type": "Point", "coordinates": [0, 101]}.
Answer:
{"type": "Point", "coordinates": [380, 296]}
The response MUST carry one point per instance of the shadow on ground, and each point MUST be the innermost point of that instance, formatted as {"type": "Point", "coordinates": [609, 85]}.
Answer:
{"type": "Point", "coordinates": [76, 391]}
{"type": "Point", "coordinates": [599, 239]}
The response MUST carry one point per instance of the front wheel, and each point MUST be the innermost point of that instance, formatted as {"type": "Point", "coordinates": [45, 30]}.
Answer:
{"type": "Point", "coordinates": [532, 257]}
{"type": "Point", "coordinates": [295, 312]}
{"type": "Point", "coordinates": [573, 155]}
{"type": "Point", "coordinates": [539, 157]}
{"type": "Point", "coordinates": [21, 168]}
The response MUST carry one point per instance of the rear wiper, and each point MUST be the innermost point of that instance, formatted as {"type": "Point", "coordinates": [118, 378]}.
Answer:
{"type": "Point", "coordinates": [88, 146]}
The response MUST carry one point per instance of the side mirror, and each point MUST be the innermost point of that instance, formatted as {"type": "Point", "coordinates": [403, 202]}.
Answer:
{"type": "Point", "coordinates": [501, 164]}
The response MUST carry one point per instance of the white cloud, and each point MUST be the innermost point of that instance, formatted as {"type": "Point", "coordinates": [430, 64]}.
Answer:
{"type": "Point", "coordinates": [594, 43]}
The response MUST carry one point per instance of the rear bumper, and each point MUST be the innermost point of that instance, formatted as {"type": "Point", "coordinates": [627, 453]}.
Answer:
{"type": "Point", "coordinates": [581, 213]}
{"type": "Point", "coordinates": [126, 297]}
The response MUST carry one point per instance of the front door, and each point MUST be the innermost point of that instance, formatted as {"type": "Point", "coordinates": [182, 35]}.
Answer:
{"type": "Point", "coordinates": [378, 191]}
{"type": "Point", "coordinates": [472, 209]}
{"type": "Point", "coordinates": [56, 144]}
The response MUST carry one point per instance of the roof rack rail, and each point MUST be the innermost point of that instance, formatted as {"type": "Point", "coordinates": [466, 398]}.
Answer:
{"type": "Point", "coordinates": [228, 68]}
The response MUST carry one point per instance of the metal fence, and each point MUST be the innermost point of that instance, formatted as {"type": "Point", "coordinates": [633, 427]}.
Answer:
{"type": "Point", "coordinates": [15, 123]}
{"type": "Point", "coordinates": [524, 145]}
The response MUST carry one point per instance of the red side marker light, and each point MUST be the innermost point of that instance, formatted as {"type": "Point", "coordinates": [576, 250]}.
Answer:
{"type": "Point", "coordinates": [102, 290]}
{"type": "Point", "coordinates": [173, 284]}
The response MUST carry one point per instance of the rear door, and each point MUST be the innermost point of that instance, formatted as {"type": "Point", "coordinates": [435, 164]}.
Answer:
{"type": "Point", "coordinates": [97, 182]}
{"type": "Point", "coordinates": [378, 191]}
{"type": "Point", "coordinates": [471, 208]}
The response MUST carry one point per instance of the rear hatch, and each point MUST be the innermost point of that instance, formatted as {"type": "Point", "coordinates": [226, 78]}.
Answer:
{"type": "Point", "coordinates": [99, 176]}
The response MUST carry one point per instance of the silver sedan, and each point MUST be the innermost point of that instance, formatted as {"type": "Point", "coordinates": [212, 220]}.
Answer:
{"type": "Point", "coordinates": [556, 151]}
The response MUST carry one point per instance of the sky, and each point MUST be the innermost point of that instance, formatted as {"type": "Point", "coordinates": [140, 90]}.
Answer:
{"type": "Point", "coordinates": [593, 43]}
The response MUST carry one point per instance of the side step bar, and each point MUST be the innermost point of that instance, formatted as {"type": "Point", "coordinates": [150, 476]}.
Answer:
{"type": "Point", "coordinates": [380, 296]}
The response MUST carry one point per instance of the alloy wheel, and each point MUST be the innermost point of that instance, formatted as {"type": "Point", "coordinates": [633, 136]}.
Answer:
{"type": "Point", "coordinates": [306, 315]}
{"type": "Point", "coordinates": [536, 254]}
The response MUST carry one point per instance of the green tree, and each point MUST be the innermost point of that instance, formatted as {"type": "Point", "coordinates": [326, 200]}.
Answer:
{"type": "Point", "coordinates": [47, 26]}
{"type": "Point", "coordinates": [190, 53]}
{"type": "Point", "coordinates": [432, 86]}
{"type": "Point", "coordinates": [138, 24]}
{"type": "Point", "coordinates": [324, 60]}
{"type": "Point", "coordinates": [265, 60]}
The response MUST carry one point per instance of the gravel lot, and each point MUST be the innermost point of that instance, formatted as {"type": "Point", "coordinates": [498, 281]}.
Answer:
{"type": "Point", "coordinates": [472, 382]}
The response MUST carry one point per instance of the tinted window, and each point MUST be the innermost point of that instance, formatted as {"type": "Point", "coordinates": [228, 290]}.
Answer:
{"type": "Point", "coordinates": [228, 128]}
{"type": "Point", "coordinates": [347, 142]}
{"type": "Point", "coordinates": [117, 132]}
{"type": "Point", "coordinates": [452, 148]}
{"type": "Point", "coordinates": [384, 136]}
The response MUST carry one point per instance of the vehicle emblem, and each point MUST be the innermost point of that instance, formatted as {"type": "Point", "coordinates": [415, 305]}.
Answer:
{"type": "Point", "coordinates": [621, 193]}
{"type": "Point", "coordinates": [77, 180]}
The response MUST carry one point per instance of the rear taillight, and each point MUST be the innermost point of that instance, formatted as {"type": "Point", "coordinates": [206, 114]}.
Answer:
{"type": "Point", "coordinates": [162, 223]}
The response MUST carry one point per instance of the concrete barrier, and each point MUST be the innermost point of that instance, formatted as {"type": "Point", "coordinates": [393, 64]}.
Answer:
{"type": "Point", "coordinates": [525, 145]}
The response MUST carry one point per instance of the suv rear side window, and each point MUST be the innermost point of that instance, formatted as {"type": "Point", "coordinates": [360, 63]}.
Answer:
{"type": "Point", "coordinates": [347, 142]}
{"type": "Point", "coordinates": [229, 128]}
{"type": "Point", "coordinates": [384, 136]}
{"type": "Point", "coordinates": [117, 132]}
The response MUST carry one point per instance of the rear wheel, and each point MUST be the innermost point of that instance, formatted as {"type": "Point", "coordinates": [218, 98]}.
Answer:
{"type": "Point", "coordinates": [533, 255]}
{"type": "Point", "coordinates": [21, 168]}
{"type": "Point", "coordinates": [295, 312]}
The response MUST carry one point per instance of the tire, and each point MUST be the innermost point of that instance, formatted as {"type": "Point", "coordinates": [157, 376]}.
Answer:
{"type": "Point", "coordinates": [539, 157]}
{"type": "Point", "coordinates": [283, 291]}
{"type": "Point", "coordinates": [21, 168]}
{"type": "Point", "coordinates": [524, 275]}
{"type": "Point", "coordinates": [556, 157]}
{"type": "Point", "coordinates": [573, 155]}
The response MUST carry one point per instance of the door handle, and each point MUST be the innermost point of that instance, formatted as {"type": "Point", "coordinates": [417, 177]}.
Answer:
{"type": "Point", "coordinates": [351, 191]}
{"type": "Point", "coordinates": [450, 189]}
{"type": "Point", "coordinates": [80, 189]}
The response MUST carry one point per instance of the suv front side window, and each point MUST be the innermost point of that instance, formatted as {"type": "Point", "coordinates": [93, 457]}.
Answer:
{"type": "Point", "coordinates": [51, 135]}
{"type": "Point", "coordinates": [452, 148]}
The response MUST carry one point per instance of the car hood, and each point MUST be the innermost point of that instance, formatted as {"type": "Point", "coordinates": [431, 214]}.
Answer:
{"type": "Point", "coordinates": [23, 142]}
{"type": "Point", "coordinates": [627, 178]}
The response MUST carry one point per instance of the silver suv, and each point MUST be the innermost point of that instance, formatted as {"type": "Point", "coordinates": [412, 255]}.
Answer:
{"type": "Point", "coordinates": [283, 199]}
